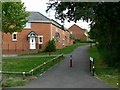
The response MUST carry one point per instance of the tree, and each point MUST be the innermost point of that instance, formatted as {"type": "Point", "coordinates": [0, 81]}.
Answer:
{"type": "Point", "coordinates": [14, 16]}
{"type": "Point", "coordinates": [105, 24]}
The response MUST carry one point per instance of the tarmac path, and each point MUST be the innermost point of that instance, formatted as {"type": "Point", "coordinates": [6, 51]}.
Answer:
{"type": "Point", "coordinates": [62, 76]}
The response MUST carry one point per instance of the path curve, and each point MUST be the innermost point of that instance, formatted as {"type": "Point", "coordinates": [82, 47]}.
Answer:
{"type": "Point", "coordinates": [62, 76]}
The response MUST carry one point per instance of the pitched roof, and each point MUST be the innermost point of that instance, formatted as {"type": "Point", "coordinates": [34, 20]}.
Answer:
{"type": "Point", "coordinates": [74, 25]}
{"type": "Point", "coordinates": [38, 17]}
{"type": "Point", "coordinates": [58, 24]}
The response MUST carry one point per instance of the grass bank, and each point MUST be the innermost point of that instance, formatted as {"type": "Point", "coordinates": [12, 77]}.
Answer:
{"type": "Point", "coordinates": [25, 65]}
{"type": "Point", "coordinates": [65, 50]}
{"type": "Point", "coordinates": [105, 73]}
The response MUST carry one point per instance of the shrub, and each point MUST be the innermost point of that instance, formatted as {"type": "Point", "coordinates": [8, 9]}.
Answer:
{"type": "Point", "coordinates": [51, 46]}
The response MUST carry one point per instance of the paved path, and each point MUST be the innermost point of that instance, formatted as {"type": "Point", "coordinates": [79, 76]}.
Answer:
{"type": "Point", "coordinates": [62, 76]}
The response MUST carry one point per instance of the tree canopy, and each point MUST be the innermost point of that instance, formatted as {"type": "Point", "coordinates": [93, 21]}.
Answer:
{"type": "Point", "coordinates": [14, 16]}
{"type": "Point", "coordinates": [105, 24]}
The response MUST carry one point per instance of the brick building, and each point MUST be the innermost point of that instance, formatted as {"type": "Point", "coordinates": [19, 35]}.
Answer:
{"type": "Point", "coordinates": [78, 33]}
{"type": "Point", "coordinates": [35, 35]}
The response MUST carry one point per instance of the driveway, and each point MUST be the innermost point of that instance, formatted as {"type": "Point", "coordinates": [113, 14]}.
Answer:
{"type": "Point", "coordinates": [62, 76]}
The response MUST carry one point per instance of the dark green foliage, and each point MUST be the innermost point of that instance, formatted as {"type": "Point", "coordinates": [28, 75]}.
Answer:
{"type": "Point", "coordinates": [105, 24]}
{"type": "Point", "coordinates": [51, 46]}
{"type": "Point", "coordinates": [77, 40]}
{"type": "Point", "coordinates": [71, 36]}
{"type": "Point", "coordinates": [14, 16]}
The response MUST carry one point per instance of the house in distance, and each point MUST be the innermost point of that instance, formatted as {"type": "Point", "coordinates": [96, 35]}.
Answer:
{"type": "Point", "coordinates": [78, 33]}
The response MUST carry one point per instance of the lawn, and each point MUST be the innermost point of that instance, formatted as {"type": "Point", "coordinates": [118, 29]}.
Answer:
{"type": "Point", "coordinates": [25, 65]}
{"type": "Point", "coordinates": [108, 74]}
{"type": "Point", "coordinates": [65, 50]}
{"type": "Point", "coordinates": [22, 64]}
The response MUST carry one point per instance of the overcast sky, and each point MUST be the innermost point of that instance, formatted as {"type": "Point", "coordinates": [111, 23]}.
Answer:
{"type": "Point", "coordinates": [41, 6]}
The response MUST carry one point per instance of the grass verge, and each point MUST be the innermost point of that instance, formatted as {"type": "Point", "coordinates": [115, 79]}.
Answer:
{"type": "Point", "coordinates": [65, 50]}
{"type": "Point", "coordinates": [24, 65]}
{"type": "Point", "coordinates": [105, 73]}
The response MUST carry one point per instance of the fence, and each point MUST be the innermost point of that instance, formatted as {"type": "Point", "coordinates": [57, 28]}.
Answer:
{"type": "Point", "coordinates": [92, 67]}
{"type": "Point", "coordinates": [41, 68]}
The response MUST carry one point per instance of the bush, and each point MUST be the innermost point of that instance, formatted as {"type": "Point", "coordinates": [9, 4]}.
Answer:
{"type": "Point", "coordinates": [51, 46]}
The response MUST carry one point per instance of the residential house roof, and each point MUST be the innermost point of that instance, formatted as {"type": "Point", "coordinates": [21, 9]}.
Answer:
{"type": "Point", "coordinates": [38, 17]}
{"type": "Point", "coordinates": [74, 25]}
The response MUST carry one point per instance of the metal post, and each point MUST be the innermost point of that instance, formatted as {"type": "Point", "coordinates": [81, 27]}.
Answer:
{"type": "Point", "coordinates": [93, 67]}
{"type": "Point", "coordinates": [70, 60]}
{"type": "Point", "coordinates": [90, 66]}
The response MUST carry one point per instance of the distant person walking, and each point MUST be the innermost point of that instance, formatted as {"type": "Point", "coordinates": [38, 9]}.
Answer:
{"type": "Point", "coordinates": [71, 60]}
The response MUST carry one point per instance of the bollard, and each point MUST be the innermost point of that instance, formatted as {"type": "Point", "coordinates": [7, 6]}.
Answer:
{"type": "Point", "coordinates": [71, 60]}
{"type": "Point", "coordinates": [90, 66]}
{"type": "Point", "coordinates": [93, 69]}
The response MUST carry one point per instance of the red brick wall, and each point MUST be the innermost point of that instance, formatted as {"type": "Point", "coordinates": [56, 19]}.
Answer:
{"type": "Point", "coordinates": [42, 29]}
{"type": "Point", "coordinates": [60, 31]}
{"type": "Point", "coordinates": [22, 39]}
{"type": "Point", "coordinates": [64, 35]}
{"type": "Point", "coordinates": [78, 32]}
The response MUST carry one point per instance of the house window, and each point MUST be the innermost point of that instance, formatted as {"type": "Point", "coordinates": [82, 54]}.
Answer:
{"type": "Point", "coordinates": [40, 39]}
{"type": "Point", "coordinates": [27, 25]}
{"type": "Point", "coordinates": [14, 36]}
{"type": "Point", "coordinates": [57, 36]}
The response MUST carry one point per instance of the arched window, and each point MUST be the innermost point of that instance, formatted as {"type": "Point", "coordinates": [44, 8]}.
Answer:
{"type": "Point", "coordinates": [57, 36]}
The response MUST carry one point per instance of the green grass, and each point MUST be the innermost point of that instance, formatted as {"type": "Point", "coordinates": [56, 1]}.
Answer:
{"type": "Point", "coordinates": [108, 74]}
{"type": "Point", "coordinates": [65, 50]}
{"type": "Point", "coordinates": [14, 83]}
{"type": "Point", "coordinates": [24, 64]}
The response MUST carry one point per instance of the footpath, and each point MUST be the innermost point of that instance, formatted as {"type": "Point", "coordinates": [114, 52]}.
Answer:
{"type": "Point", "coordinates": [62, 76]}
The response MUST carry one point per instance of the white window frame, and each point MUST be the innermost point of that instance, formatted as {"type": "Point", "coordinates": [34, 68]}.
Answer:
{"type": "Point", "coordinates": [39, 39]}
{"type": "Point", "coordinates": [15, 33]}
{"type": "Point", "coordinates": [27, 25]}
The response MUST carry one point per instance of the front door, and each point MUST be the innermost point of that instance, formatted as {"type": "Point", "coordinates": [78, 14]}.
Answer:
{"type": "Point", "coordinates": [32, 43]}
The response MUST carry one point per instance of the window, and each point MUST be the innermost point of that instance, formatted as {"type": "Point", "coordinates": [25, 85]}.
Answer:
{"type": "Point", "coordinates": [57, 36]}
{"type": "Point", "coordinates": [40, 39]}
{"type": "Point", "coordinates": [27, 25]}
{"type": "Point", "coordinates": [14, 36]}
